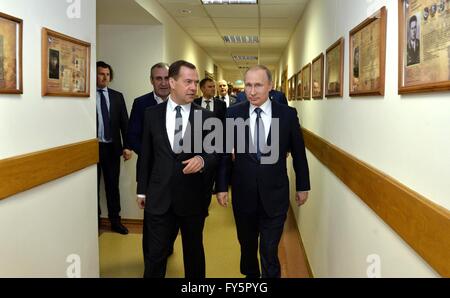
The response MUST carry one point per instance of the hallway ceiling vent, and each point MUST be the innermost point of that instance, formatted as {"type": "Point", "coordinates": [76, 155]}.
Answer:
{"type": "Point", "coordinates": [240, 39]}
{"type": "Point", "coordinates": [229, 2]}
{"type": "Point", "coordinates": [245, 58]}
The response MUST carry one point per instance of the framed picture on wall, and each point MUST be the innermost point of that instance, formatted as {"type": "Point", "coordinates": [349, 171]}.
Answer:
{"type": "Point", "coordinates": [66, 65]}
{"type": "Point", "coordinates": [334, 73]}
{"type": "Point", "coordinates": [424, 46]}
{"type": "Point", "coordinates": [284, 82]}
{"type": "Point", "coordinates": [306, 81]}
{"type": "Point", "coordinates": [11, 34]}
{"type": "Point", "coordinates": [368, 56]}
{"type": "Point", "coordinates": [290, 94]}
{"type": "Point", "coordinates": [298, 93]}
{"type": "Point", "coordinates": [317, 77]}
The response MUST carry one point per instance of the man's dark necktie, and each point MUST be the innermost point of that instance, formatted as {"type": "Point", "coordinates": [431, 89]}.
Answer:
{"type": "Point", "coordinates": [105, 116]}
{"type": "Point", "coordinates": [223, 98]}
{"type": "Point", "coordinates": [260, 133]}
{"type": "Point", "coordinates": [178, 135]}
{"type": "Point", "coordinates": [208, 106]}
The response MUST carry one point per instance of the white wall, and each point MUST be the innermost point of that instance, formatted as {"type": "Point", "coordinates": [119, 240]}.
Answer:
{"type": "Point", "coordinates": [131, 51]}
{"type": "Point", "coordinates": [39, 228]}
{"type": "Point", "coordinates": [404, 136]}
{"type": "Point", "coordinates": [177, 44]}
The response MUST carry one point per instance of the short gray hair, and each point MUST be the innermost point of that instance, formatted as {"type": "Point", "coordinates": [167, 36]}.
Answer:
{"type": "Point", "coordinates": [260, 67]}
{"type": "Point", "coordinates": [158, 65]}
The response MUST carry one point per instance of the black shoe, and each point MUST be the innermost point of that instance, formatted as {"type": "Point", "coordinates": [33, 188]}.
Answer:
{"type": "Point", "coordinates": [119, 228]}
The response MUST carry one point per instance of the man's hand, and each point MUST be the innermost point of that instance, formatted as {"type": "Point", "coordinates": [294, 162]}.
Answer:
{"type": "Point", "coordinates": [141, 202]}
{"type": "Point", "coordinates": [222, 198]}
{"type": "Point", "coordinates": [193, 165]}
{"type": "Point", "coordinates": [127, 154]}
{"type": "Point", "coordinates": [301, 197]}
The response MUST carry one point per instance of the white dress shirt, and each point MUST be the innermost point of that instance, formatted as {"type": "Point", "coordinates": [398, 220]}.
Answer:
{"type": "Point", "coordinates": [226, 100]}
{"type": "Point", "coordinates": [171, 114]}
{"type": "Point", "coordinates": [211, 104]}
{"type": "Point", "coordinates": [266, 116]}
{"type": "Point", "coordinates": [158, 99]}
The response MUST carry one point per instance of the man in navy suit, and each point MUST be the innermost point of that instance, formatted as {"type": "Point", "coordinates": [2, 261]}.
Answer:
{"type": "Point", "coordinates": [159, 78]}
{"type": "Point", "coordinates": [274, 95]}
{"type": "Point", "coordinates": [112, 121]}
{"type": "Point", "coordinates": [258, 174]}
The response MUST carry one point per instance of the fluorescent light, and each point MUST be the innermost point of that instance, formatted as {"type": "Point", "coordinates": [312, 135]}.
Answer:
{"type": "Point", "coordinates": [229, 2]}
{"type": "Point", "coordinates": [245, 58]}
{"type": "Point", "coordinates": [240, 39]}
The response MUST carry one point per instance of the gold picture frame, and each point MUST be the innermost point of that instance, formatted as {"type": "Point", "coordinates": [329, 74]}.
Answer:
{"type": "Point", "coordinates": [66, 64]}
{"type": "Point", "coordinates": [334, 74]}
{"type": "Point", "coordinates": [418, 70]}
{"type": "Point", "coordinates": [368, 56]}
{"type": "Point", "coordinates": [317, 77]}
{"type": "Point", "coordinates": [11, 40]}
{"type": "Point", "coordinates": [306, 81]}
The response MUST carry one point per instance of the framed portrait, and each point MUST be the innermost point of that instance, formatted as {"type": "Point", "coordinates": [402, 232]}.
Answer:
{"type": "Point", "coordinates": [66, 64]}
{"type": "Point", "coordinates": [291, 91]}
{"type": "Point", "coordinates": [284, 82]}
{"type": "Point", "coordinates": [424, 46]}
{"type": "Point", "coordinates": [334, 73]}
{"type": "Point", "coordinates": [368, 56]}
{"type": "Point", "coordinates": [317, 77]}
{"type": "Point", "coordinates": [11, 35]}
{"type": "Point", "coordinates": [306, 81]}
{"type": "Point", "coordinates": [299, 86]}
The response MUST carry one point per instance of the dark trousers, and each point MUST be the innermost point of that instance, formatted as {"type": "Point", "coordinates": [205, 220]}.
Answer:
{"type": "Point", "coordinates": [249, 227]}
{"type": "Point", "coordinates": [159, 231]}
{"type": "Point", "coordinates": [109, 166]}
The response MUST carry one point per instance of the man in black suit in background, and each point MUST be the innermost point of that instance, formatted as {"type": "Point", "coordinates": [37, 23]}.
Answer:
{"type": "Point", "coordinates": [171, 175]}
{"type": "Point", "coordinates": [159, 78]}
{"type": "Point", "coordinates": [112, 121]}
{"type": "Point", "coordinates": [223, 94]}
{"type": "Point", "coordinates": [219, 108]}
{"type": "Point", "coordinates": [260, 183]}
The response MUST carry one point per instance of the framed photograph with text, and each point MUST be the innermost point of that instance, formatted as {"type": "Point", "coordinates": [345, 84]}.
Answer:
{"type": "Point", "coordinates": [424, 46]}
{"type": "Point", "coordinates": [334, 74]}
{"type": "Point", "coordinates": [306, 81]}
{"type": "Point", "coordinates": [66, 63]}
{"type": "Point", "coordinates": [11, 35]}
{"type": "Point", "coordinates": [299, 86]}
{"type": "Point", "coordinates": [368, 56]}
{"type": "Point", "coordinates": [317, 77]}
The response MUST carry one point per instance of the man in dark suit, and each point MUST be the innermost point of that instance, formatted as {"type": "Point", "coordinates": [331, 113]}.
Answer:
{"type": "Point", "coordinates": [274, 95]}
{"type": "Point", "coordinates": [413, 48]}
{"type": "Point", "coordinates": [171, 175]}
{"type": "Point", "coordinates": [259, 177]}
{"type": "Point", "coordinates": [219, 108]}
{"type": "Point", "coordinates": [112, 121]}
{"type": "Point", "coordinates": [159, 78]}
{"type": "Point", "coordinates": [223, 94]}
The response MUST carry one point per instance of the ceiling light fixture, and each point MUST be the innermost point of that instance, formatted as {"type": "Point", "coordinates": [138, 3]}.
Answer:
{"type": "Point", "coordinates": [245, 58]}
{"type": "Point", "coordinates": [240, 39]}
{"type": "Point", "coordinates": [206, 2]}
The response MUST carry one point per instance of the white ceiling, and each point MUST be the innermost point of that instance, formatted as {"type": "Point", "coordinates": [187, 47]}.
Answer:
{"type": "Point", "coordinates": [272, 20]}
